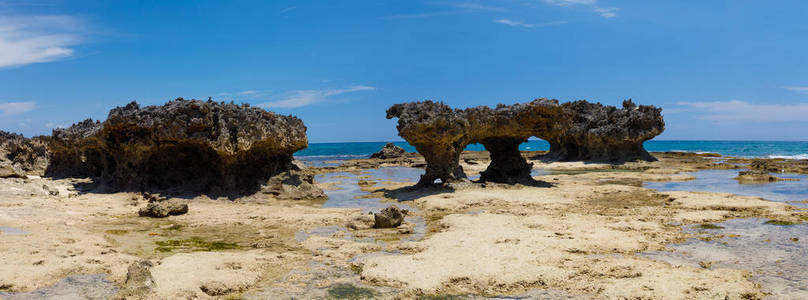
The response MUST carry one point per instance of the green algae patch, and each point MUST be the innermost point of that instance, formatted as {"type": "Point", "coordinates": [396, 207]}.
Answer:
{"type": "Point", "coordinates": [780, 222]}
{"type": "Point", "coordinates": [710, 226]}
{"type": "Point", "coordinates": [193, 244]}
{"type": "Point", "coordinates": [356, 269]}
{"type": "Point", "coordinates": [116, 231]}
{"type": "Point", "coordinates": [350, 291]}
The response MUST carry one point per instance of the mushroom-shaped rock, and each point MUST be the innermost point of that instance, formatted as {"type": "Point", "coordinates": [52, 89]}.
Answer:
{"type": "Point", "coordinates": [439, 133]}
{"type": "Point", "coordinates": [502, 129]}
{"type": "Point", "coordinates": [185, 144]}
{"type": "Point", "coordinates": [594, 132]}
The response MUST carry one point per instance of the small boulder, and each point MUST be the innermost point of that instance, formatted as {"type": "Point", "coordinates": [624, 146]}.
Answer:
{"type": "Point", "coordinates": [163, 208]}
{"type": "Point", "coordinates": [389, 151]}
{"type": "Point", "coordinates": [390, 217]}
{"type": "Point", "coordinates": [139, 280]}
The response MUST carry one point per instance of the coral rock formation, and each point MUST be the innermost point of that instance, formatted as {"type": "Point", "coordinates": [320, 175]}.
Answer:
{"type": "Point", "coordinates": [576, 131]}
{"type": "Point", "coordinates": [389, 151]}
{"type": "Point", "coordinates": [502, 129]}
{"type": "Point", "coordinates": [439, 133]}
{"type": "Point", "coordinates": [195, 145]}
{"type": "Point", "coordinates": [594, 132]}
{"type": "Point", "coordinates": [20, 156]}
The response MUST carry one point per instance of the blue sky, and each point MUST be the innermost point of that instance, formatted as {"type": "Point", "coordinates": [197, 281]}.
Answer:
{"type": "Point", "coordinates": [727, 70]}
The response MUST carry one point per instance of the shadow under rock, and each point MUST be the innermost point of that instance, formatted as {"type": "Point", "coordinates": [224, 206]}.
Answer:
{"type": "Point", "coordinates": [413, 192]}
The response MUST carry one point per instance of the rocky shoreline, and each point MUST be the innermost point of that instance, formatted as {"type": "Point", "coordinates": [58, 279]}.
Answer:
{"type": "Point", "coordinates": [204, 200]}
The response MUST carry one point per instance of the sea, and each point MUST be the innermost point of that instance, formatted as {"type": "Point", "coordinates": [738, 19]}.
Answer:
{"type": "Point", "coordinates": [320, 152]}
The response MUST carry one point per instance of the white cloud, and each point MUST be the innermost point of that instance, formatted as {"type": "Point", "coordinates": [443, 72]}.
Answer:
{"type": "Point", "coordinates": [16, 108]}
{"type": "Point", "coordinates": [610, 12]}
{"type": "Point", "coordinates": [606, 12]}
{"type": "Point", "coordinates": [248, 93]}
{"type": "Point", "coordinates": [473, 6]}
{"type": "Point", "coordinates": [527, 25]}
{"type": "Point", "coordinates": [39, 38]}
{"type": "Point", "coordinates": [736, 110]}
{"type": "Point", "coordinates": [571, 2]}
{"type": "Point", "coordinates": [798, 89]}
{"type": "Point", "coordinates": [288, 9]}
{"type": "Point", "coordinates": [308, 97]}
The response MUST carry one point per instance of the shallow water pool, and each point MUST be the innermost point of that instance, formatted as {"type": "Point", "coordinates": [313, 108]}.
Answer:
{"type": "Point", "coordinates": [94, 286]}
{"type": "Point", "coordinates": [774, 253]}
{"type": "Point", "coordinates": [722, 181]}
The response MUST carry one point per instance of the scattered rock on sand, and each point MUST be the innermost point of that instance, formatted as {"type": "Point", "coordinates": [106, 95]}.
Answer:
{"type": "Point", "coordinates": [390, 217]}
{"type": "Point", "coordinates": [389, 151]}
{"type": "Point", "coordinates": [139, 280]}
{"type": "Point", "coordinates": [164, 208]}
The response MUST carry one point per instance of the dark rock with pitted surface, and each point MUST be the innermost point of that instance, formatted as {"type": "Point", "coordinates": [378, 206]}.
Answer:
{"type": "Point", "coordinates": [500, 130]}
{"type": "Point", "coordinates": [389, 151]}
{"type": "Point", "coordinates": [390, 217]}
{"type": "Point", "coordinates": [576, 131]}
{"type": "Point", "coordinates": [189, 145]}
{"type": "Point", "coordinates": [21, 156]}
{"type": "Point", "coordinates": [594, 132]}
{"type": "Point", "coordinates": [439, 133]}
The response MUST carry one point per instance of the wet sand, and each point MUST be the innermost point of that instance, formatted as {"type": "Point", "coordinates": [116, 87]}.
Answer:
{"type": "Point", "coordinates": [589, 231]}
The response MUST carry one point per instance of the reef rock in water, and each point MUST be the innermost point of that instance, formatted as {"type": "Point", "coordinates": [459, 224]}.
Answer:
{"type": "Point", "coordinates": [189, 144]}
{"type": "Point", "coordinates": [595, 132]}
{"type": "Point", "coordinates": [389, 151]}
{"type": "Point", "coordinates": [576, 131]}
{"type": "Point", "coordinates": [20, 156]}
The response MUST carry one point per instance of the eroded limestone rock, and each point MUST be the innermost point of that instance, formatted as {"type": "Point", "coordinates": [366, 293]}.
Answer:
{"type": "Point", "coordinates": [161, 208]}
{"type": "Point", "coordinates": [503, 128]}
{"type": "Point", "coordinates": [390, 217]}
{"type": "Point", "coordinates": [21, 156]}
{"type": "Point", "coordinates": [439, 133]}
{"type": "Point", "coordinates": [594, 132]}
{"type": "Point", "coordinates": [576, 131]}
{"type": "Point", "coordinates": [189, 145]}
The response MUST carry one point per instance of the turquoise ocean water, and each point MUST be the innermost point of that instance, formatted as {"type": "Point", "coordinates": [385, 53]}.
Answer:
{"type": "Point", "coordinates": [767, 149]}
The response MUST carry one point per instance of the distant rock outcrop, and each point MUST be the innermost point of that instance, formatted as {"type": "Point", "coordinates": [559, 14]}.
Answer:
{"type": "Point", "coordinates": [576, 131]}
{"type": "Point", "coordinates": [190, 145]}
{"type": "Point", "coordinates": [389, 151]}
{"type": "Point", "coordinates": [20, 156]}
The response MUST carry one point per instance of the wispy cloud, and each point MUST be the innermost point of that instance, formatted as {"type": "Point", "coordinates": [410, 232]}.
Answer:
{"type": "Point", "coordinates": [456, 7]}
{"type": "Point", "coordinates": [288, 9]}
{"type": "Point", "coordinates": [798, 89]}
{"type": "Point", "coordinates": [610, 12]}
{"type": "Point", "coordinates": [472, 6]}
{"type": "Point", "coordinates": [16, 108]}
{"type": "Point", "coordinates": [528, 25]}
{"type": "Point", "coordinates": [309, 97]}
{"type": "Point", "coordinates": [421, 15]}
{"type": "Point", "coordinates": [38, 38]}
{"type": "Point", "coordinates": [737, 110]}
{"type": "Point", "coordinates": [606, 12]}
